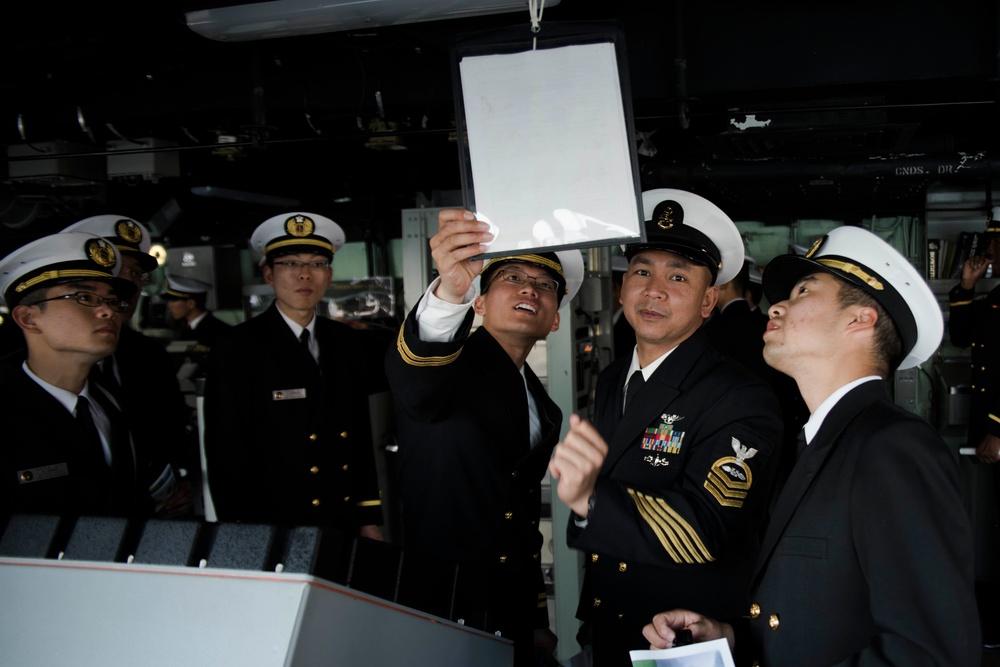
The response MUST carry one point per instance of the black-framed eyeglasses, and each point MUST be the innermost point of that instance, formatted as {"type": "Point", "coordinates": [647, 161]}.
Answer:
{"type": "Point", "coordinates": [135, 275]}
{"type": "Point", "coordinates": [519, 278]}
{"type": "Point", "coordinates": [91, 300]}
{"type": "Point", "coordinates": [295, 265]}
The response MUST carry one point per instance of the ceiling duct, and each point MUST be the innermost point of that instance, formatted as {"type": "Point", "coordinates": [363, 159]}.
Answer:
{"type": "Point", "coordinates": [285, 18]}
{"type": "Point", "coordinates": [146, 159]}
{"type": "Point", "coordinates": [55, 164]}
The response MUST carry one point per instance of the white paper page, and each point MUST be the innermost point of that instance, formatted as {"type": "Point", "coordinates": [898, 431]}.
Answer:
{"type": "Point", "coordinates": [713, 653]}
{"type": "Point", "coordinates": [549, 147]}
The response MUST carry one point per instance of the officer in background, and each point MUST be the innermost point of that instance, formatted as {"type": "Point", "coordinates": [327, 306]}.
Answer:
{"type": "Point", "coordinates": [186, 301]}
{"type": "Point", "coordinates": [868, 557]}
{"type": "Point", "coordinates": [287, 430]}
{"type": "Point", "coordinates": [66, 446]}
{"type": "Point", "coordinates": [140, 373]}
{"type": "Point", "coordinates": [754, 288]}
{"type": "Point", "coordinates": [621, 330]}
{"type": "Point", "coordinates": [975, 323]}
{"type": "Point", "coordinates": [734, 329]}
{"type": "Point", "coordinates": [670, 485]}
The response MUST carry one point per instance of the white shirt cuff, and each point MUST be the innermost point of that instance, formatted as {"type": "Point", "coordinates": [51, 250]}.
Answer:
{"type": "Point", "coordinates": [438, 321]}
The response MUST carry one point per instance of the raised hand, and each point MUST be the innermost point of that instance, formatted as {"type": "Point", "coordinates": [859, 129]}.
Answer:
{"type": "Point", "coordinates": [459, 237]}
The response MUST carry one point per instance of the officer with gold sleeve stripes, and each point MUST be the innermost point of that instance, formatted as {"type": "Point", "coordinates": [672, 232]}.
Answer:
{"type": "Point", "coordinates": [669, 483]}
{"type": "Point", "coordinates": [287, 428]}
{"type": "Point", "coordinates": [476, 427]}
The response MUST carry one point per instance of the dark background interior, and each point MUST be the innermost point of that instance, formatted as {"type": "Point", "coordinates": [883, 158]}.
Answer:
{"type": "Point", "coordinates": [869, 104]}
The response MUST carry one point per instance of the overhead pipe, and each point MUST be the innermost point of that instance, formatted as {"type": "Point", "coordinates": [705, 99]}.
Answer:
{"type": "Point", "coordinates": [953, 165]}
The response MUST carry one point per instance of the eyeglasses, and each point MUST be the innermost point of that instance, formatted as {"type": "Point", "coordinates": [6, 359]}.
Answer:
{"type": "Point", "coordinates": [91, 301]}
{"type": "Point", "coordinates": [520, 278]}
{"type": "Point", "coordinates": [294, 265]}
{"type": "Point", "coordinates": [135, 275]}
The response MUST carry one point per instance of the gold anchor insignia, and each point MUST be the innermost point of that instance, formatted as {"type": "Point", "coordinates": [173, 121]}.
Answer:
{"type": "Point", "coordinates": [666, 219]}
{"type": "Point", "coordinates": [299, 225]}
{"type": "Point", "coordinates": [101, 252]}
{"type": "Point", "coordinates": [128, 231]}
{"type": "Point", "coordinates": [816, 246]}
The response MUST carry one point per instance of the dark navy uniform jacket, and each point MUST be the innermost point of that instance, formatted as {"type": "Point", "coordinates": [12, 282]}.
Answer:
{"type": "Point", "coordinates": [207, 330]}
{"type": "Point", "coordinates": [150, 395]}
{"type": "Point", "coordinates": [203, 337]}
{"type": "Point", "coordinates": [682, 493]}
{"type": "Point", "coordinates": [738, 332]}
{"type": "Point", "coordinates": [975, 323]}
{"type": "Point", "coordinates": [868, 556]}
{"type": "Point", "coordinates": [46, 469]}
{"type": "Point", "coordinates": [470, 480]}
{"type": "Point", "coordinates": [286, 441]}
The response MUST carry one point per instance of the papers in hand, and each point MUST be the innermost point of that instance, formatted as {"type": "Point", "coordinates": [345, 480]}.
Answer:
{"type": "Point", "coordinates": [713, 653]}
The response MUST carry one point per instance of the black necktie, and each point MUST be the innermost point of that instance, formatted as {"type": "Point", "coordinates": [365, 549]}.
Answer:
{"type": "Point", "coordinates": [91, 438]}
{"type": "Point", "coordinates": [304, 341]}
{"type": "Point", "coordinates": [633, 388]}
{"type": "Point", "coordinates": [800, 444]}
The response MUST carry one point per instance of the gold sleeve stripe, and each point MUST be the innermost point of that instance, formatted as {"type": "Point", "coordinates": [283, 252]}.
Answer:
{"type": "Point", "coordinates": [675, 555]}
{"type": "Point", "coordinates": [995, 418]}
{"type": "Point", "coordinates": [678, 537]}
{"type": "Point", "coordinates": [370, 503]}
{"type": "Point", "coordinates": [960, 303]}
{"type": "Point", "coordinates": [416, 360]}
{"type": "Point", "coordinates": [685, 546]}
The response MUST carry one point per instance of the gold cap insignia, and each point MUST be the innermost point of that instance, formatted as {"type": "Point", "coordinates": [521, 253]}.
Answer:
{"type": "Point", "coordinates": [101, 252]}
{"type": "Point", "coordinates": [816, 246]}
{"type": "Point", "coordinates": [129, 231]}
{"type": "Point", "coordinates": [299, 225]}
{"type": "Point", "coordinates": [666, 218]}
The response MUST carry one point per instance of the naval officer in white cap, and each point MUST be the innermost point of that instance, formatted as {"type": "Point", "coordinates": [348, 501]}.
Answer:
{"type": "Point", "coordinates": [187, 300]}
{"type": "Point", "coordinates": [67, 449]}
{"type": "Point", "coordinates": [868, 555]}
{"type": "Point", "coordinates": [287, 429]}
{"type": "Point", "coordinates": [476, 427]}
{"type": "Point", "coordinates": [669, 483]}
{"type": "Point", "coordinates": [140, 372]}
